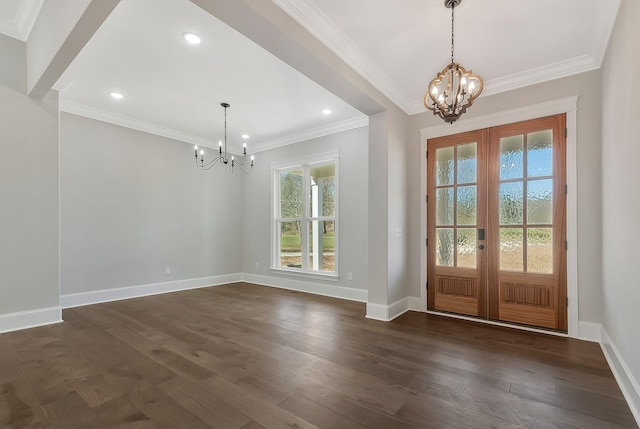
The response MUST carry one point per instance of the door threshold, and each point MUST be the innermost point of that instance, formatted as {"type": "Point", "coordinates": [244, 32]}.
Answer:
{"type": "Point", "coordinates": [497, 323]}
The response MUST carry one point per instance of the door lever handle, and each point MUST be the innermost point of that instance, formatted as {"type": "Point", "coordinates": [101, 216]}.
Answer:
{"type": "Point", "coordinates": [481, 247]}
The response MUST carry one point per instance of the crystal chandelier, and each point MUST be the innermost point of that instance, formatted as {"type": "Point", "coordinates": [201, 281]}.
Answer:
{"type": "Point", "coordinates": [454, 89]}
{"type": "Point", "coordinates": [223, 157]}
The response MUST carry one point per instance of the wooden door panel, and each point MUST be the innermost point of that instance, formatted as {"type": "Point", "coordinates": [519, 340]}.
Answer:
{"type": "Point", "coordinates": [457, 294]}
{"type": "Point", "coordinates": [528, 299]}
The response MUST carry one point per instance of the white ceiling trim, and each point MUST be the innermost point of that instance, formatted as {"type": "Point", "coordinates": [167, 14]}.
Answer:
{"type": "Point", "coordinates": [21, 27]}
{"type": "Point", "coordinates": [136, 124]}
{"type": "Point", "coordinates": [159, 130]}
{"type": "Point", "coordinates": [546, 73]}
{"type": "Point", "coordinates": [27, 16]}
{"type": "Point", "coordinates": [604, 30]}
{"type": "Point", "coordinates": [10, 28]}
{"type": "Point", "coordinates": [336, 127]}
{"type": "Point", "coordinates": [323, 29]}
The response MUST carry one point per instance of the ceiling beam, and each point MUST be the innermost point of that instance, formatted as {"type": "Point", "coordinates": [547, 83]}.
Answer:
{"type": "Point", "coordinates": [274, 30]}
{"type": "Point", "coordinates": [62, 29]}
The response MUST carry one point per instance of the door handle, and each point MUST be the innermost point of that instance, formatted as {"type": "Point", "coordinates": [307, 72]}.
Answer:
{"type": "Point", "coordinates": [481, 247]}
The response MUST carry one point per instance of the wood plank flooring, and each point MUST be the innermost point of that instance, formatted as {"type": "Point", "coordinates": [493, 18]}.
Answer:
{"type": "Point", "coordinates": [247, 356]}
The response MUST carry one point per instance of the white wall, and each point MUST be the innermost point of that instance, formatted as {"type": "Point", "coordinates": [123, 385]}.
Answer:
{"type": "Point", "coordinates": [621, 197]}
{"type": "Point", "coordinates": [589, 195]}
{"type": "Point", "coordinates": [28, 195]}
{"type": "Point", "coordinates": [133, 203]}
{"type": "Point", "coordinates": [353, 218]}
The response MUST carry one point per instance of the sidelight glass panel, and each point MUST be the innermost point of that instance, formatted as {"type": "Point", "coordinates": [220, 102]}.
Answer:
{"type": "Point", "coordinates": [466, 248]}
{"type": "Point", "coordinates": [444, 246]}
{"type": "Point", "coordinates": [291, 195]}
{"type": "Point", "coordinates": [511, 249]}
{"type": "Point", "coordinates": [466, 205]}
{"type": "Point", "coordinates": [467, 163]}
{"type": "Point", "coordinates": [444, 206]}
{"type": "Point", "coordinates": [511, 157]}
{"type": "Point", "coordinates": [322, 247]}
{"type": "Point", "coordinates": [511, 203]}
{"type": "Point", "coordinates": [290, 244]}
{"type": "Point", "coordinates": [322, 191]}
{"type": "Point", "coordinates": [444, 166]}
{"type": "Point", "coordinates": [540, 201]}
{"type": "Point", "coordinates": [540, 250]}
{"type": "Point", "coordinates": [540, 153]}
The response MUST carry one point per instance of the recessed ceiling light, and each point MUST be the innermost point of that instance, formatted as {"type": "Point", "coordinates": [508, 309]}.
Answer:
{"type": "Point", "coordinates": [326, 111]}
{"type": "Point", "coordinates": [116, 95]}
{"type": "Point", "coordinates": [245, 136]}
{"type": "Point", "coordinates": [192, 38]}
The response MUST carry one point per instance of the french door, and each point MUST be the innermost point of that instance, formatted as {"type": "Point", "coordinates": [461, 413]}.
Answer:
{"type": "Point", "coordinates": [496, 223]}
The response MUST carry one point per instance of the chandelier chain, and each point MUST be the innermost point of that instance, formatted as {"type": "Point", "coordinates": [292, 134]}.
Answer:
{"type": "Point", "coordinates": [453, 6]}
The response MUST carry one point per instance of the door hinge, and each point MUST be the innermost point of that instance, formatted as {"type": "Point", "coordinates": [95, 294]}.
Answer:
{"type": "Point", "coordinates": [566, 132]}
{"type": "Point", "coordinates": [567, 301]}
{"type": "Point", "coordinates": [426, 285]}
{"type": "Point", "coordinates": [426, 242]}
{"type": "Point", "coordinates": [426, 199]}
{"type": "Point", "coordinates": [566, 189]}
{"type": "Point", "coordinates": [566, 245]}
{"type": "Point", "coordinates": [426, 154]}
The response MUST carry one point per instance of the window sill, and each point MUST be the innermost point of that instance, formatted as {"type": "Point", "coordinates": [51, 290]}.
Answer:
{"type": "Point", "coordinates": [316, 275]}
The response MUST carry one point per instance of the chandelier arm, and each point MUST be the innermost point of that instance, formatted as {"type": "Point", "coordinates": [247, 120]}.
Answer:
{"type": "Point", "coordinates": [209, 164]}
{"type": "Point", "coordinates": [240, 167]}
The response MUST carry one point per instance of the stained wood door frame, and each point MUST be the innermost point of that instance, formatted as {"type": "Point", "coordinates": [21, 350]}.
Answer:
{"type": "Point", "coordinates": [567, 105]}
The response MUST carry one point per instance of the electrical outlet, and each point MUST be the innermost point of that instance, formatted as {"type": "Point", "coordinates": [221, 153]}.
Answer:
{"type": "Point", "coordinates": [257, 265]}
{"type": "Point", "coordinates": [167, 271]}
{"type": "Point", "coordinates": [350, 276]}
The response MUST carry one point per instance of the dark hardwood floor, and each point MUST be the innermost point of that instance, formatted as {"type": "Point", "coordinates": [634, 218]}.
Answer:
{"type": "Point", "coordinates": [246, 356]}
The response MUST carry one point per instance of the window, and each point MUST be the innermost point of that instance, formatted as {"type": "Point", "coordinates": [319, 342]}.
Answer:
{"type": "Point", "coordinates": [305, 227]}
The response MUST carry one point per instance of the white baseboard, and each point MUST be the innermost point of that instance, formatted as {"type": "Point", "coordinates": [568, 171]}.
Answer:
{"type": "Point", "coordinates": [332, 291]}
{"type": "Point", "coordinates": [389, 312]}
{"type": "Point", "coordinates": [416, 304]}
{"type": "Point", "coordinates": [30, 319]}
{"type": "Point", "coordinates": [589, 331]}
{"type": "Point", "coordinates": [106, 295]}
{"type": "Point", "coordinates": [628, 384]}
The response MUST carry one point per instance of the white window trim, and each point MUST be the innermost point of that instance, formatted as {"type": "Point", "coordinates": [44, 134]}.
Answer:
{"type": "Point", "coordinates": [305, 162]}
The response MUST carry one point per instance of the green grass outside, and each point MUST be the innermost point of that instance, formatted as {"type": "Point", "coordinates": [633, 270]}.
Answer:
{"type": "Point", "coordinates": [291, 243]}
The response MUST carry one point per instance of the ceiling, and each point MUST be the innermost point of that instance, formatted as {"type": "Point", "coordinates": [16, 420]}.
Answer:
{"type": "Point", "coordinates": [175, 89]}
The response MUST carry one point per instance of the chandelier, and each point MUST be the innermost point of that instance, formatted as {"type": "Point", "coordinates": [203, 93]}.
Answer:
{"type": "Point", "coordinates": [454, 89]}
{"type": "Point", "coordinates": [223, 157]}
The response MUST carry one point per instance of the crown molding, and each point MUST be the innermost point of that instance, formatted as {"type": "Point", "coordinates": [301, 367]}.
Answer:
{"type": "Point", "coordinates": [322, 28]}
{"type": "Point", "coordinates": [570, 67]}
{"type": "Point", "coordinates": [604, 29]}
{"type": "Point", "coordinates": [159, 130]}
{"type": "Point", "coordinates": [136, 124]}
{"type": "Point", "coordinates": [336, 127]}
{"type": "Point", "coordinates": [26, 16]}
{"type": "Point", "coordinates": [9, 28]}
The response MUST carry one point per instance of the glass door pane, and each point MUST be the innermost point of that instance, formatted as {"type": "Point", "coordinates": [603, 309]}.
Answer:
{"type": "Point", "coordinates": [456, 204]}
